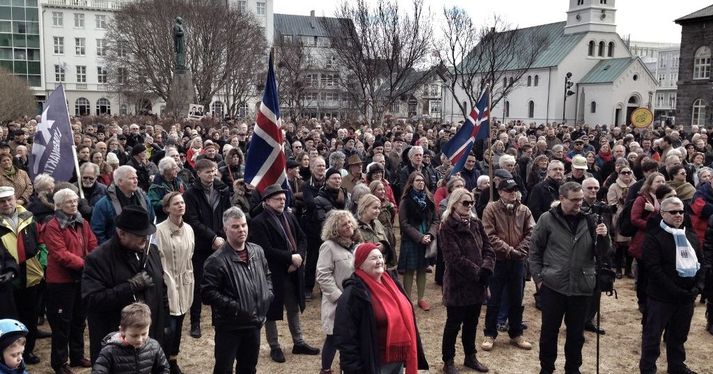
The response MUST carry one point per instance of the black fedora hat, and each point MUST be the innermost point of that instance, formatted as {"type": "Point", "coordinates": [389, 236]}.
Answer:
{"type": "Point", "coordinates": [135, 219]}
{"type": "Point", "coordinates": [271, 190]}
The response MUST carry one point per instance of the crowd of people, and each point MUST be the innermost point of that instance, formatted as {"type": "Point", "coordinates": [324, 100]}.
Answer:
{"type": "Point", "coordinates": [159, 220]}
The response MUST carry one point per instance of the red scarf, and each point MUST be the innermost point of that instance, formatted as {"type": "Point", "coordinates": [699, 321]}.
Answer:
{"type": "Point", "coordinates": [606, 156]}
{"type": "Point", "coordinates": [401, 327]}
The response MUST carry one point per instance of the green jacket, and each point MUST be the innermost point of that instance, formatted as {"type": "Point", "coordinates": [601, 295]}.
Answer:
{"type": "Point", "coordinates": [565, 261]}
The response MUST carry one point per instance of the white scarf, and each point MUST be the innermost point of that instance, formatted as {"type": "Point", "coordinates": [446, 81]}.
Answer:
{"type": "Point", "coordinates": [687, 264]}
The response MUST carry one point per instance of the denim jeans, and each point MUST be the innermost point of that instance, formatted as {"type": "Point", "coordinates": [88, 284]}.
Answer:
{"type": "Point", "coordinates": [507, 279]}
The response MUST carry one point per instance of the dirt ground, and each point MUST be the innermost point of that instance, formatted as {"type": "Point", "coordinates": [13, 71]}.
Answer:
{"type": "Point", "coordinates": [620, 347]}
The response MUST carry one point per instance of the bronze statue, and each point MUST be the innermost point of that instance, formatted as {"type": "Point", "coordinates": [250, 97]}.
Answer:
{"type": "Point", "coordinates": [179, 45]}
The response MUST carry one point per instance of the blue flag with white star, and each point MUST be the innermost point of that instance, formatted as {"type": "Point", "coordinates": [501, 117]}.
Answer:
{"type": "Point", "coordinates": [52, 151]}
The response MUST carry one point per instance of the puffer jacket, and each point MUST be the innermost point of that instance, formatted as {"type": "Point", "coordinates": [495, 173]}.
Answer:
{"type": "Point", "coordinates": [509, 230]}
{"type": "Point", "coordinates": [116, 357]}
{"type": "Point", "coordinates": [542, 196]}
{"type": "Point", "coordinates": [564, 260]}
{"type": "Point", "coordinates": [22, 369]}
{"type": "Point", "coordinates": [239, 293]}
{"type": "Point", "coordinates": [109, 207]}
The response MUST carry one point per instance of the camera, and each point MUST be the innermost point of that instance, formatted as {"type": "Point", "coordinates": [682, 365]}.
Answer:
{"type": "Point", "coordinates": [600, 208]}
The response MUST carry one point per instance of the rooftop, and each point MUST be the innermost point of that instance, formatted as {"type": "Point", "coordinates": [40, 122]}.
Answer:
{"type": "Point", "coordinates": [607, 71]}
{"type": "Point", "coordinates": [703, 13]}
{"type": "Point", "coordinates": [289, 24]}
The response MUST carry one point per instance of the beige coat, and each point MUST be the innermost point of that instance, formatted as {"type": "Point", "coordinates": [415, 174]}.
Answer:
{"type": "Point", "coordinates": [616, 196]}
{"type": "Point", "coordinates": [176, 245]}
{"type": "Point", "coordinates": [335, 264]}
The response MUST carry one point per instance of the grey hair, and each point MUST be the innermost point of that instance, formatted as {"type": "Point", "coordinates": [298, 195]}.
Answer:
{"type": "Point", "coordinates": [673, 200]}
{"type": "Point", "coordinates": [504, 159]}
{"type": "Point", "coordinates": [165, 164]}
{"type": "Point", "coordinates": [568, 187]}
{"type": "Point", "coordinates": [122, 172]}
{"type": "Point", "coordinates": [232, 213]}
{"type": "Point", "coordinates": [621, 162]}
{"type": "Point", "coordinates": [358, 192]}
{"type": "Point", "coordinates": [61, 196]}
{"type": "Point", "coordinates": [87, 165]}
{"type": "Point", "coordinates": [557, 148]}
{"type": "Point", "coordinates": [43, 182]}
{"type": "Point", "coordinates": [554, 163]}
{"type": "Point", "coordinates": [590, 180]}
{"type": "Point", "coordinates": [414, 149]}
{"type": "Point", "coordinates": [336, 155]}
{"type": "Point", "coordinates": [702, 169]}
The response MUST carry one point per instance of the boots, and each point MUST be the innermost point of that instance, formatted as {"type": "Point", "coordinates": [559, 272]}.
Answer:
{"type": "Point", "coordinates": [709, 317]}
{"type": "Point", "coordinates": [173, 366]}
{"type": "Point", "coordinates": [472, 362]}
{"type": "Point", "coordinates": [449, 367]}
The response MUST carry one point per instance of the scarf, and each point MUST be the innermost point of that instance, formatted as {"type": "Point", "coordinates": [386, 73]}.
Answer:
{"type": "Point", "coordinates": [66, 220]}
{"type": "Point", "coordinates": [685, 254]}
{"type": "Point", "coordinates": [10, 173]}
{"type": "Point", "coordinates": [419, 198]}
{"type": "Point", "coordinates": [400, 345]}
{"type": "Point", "coordinates": [606, 157]}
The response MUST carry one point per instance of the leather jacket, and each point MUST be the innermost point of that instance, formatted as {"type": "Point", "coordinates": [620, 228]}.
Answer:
{"type": "Point", "coordinates": [509, 229]}
{"type": "Point", "coordinates": [238, 292]}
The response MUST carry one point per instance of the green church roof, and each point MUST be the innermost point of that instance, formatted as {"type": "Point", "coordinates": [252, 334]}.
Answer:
{"type": "Point", "coordinates": [607, 71]}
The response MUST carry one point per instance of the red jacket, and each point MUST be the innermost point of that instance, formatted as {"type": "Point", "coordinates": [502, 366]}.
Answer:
{"type": "Point", "coordinates": [639, 218]}
{"type": "Point", "coordinates": [67, 249]}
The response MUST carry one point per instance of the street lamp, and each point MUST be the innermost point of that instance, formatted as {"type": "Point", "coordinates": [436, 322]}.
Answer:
{"type": "Point", "coordinates": [567, 92]}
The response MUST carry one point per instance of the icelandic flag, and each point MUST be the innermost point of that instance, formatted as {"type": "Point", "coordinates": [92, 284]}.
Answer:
{"type": "Point", "coordinates": [52, 151]}
{"type": "Point", "coordinates": [476, 127]}
{"type": "Point", "coordinates": [265, 161]}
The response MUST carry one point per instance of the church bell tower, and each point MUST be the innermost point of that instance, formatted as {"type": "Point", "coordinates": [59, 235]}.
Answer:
{"type": "Point", "coordinates": [590, 15]}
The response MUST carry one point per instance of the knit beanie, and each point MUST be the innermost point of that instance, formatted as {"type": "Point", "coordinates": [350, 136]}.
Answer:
{"type": "Point", "coordinates": [362, 252]}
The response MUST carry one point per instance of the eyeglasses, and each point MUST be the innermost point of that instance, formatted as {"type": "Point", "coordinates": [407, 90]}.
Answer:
{"type": "Point", "coordinates": [626, 172]}
{"type": "Point", "coordinates": [88, 178]}
{"type": "Point", "coordinates": [467, 203]}
{"type": "Point", "coordinates": [593, 188]}
{"type": "Point", "coordinates": [674, 212]}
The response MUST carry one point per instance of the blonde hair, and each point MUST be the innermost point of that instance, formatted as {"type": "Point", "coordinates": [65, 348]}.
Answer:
{"type": "Point", "coordinates": [453, 198]}
{"type": "Point", "coordinates": [366, 201]}
{"type": "Point", "coordinates": [331, 224]}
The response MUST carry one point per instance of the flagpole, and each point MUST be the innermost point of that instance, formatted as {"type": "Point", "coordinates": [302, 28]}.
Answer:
{"type": "Point", "coordinates": [74, 149]}
{"type": "Point", "coordinates": [490, 143]}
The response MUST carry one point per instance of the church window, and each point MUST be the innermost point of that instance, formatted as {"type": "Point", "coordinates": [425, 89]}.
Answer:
{"type": "Point", "coordinates": [507, 109]}
{"type": "Point", "coordinates": [601, 49]}
{"type": "Point", "coordinates": [610, 52]}
{"type": "Point", "coordinates": [537, 80]}
{"type": "Point", "coordinates": [529, 80]}
{"type": "Point", "coordinates": [531, 109]}
{"type": "Point", "coordinates": [580, 2]}
{"type": "Point", "coordinates": [593, 107]}
{"type": "Point", "coordinates": [699, 113]}
{"type": "Point", "coordinates": [591, 48]}
{"type": "Point", "coordinates": [702, 63]}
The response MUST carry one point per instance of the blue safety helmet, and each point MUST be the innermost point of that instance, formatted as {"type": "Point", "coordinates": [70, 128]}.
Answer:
{"type": "Point", "coordinates": [10, 330]}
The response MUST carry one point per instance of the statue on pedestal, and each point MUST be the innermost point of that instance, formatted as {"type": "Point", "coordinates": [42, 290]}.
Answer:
{"type": "Point", "coordinates": [179, 44]}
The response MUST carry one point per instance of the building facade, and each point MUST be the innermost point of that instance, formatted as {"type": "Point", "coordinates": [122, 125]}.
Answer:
{"type": "Point", "coordinates": [609, 82]}
{"type": "Point", "coordinates": [20, 44]}
{"type": "Point", "coordinates": [695, 87]}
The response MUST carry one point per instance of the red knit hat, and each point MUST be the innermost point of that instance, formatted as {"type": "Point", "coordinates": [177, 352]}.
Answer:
{"type": "Point", "coordinates": [362, 252]}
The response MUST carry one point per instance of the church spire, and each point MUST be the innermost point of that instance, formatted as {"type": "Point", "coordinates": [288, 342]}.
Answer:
{"type": "Point", "coordinates": [590, 15]}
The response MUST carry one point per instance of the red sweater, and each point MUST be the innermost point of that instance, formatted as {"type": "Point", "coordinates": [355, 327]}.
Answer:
{"type": "Point", "coordinates": [66, 249]}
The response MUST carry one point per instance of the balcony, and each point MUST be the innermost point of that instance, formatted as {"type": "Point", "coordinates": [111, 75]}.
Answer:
{"type": "Point", "coordinates": [87, 4]}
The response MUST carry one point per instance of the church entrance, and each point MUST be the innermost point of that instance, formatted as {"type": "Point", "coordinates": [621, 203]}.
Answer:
{"type": "Point", "coordinates": [633, 103]}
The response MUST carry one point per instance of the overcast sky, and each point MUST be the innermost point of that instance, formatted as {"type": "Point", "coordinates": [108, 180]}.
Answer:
{"type": "Point", "coordinates": [644, 20]}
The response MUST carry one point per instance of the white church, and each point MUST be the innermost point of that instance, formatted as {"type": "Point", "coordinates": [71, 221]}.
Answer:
{"type": "Point", "coordinates": [608, 81]}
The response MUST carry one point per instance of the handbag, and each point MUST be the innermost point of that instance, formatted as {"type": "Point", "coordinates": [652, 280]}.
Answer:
{"type": "Point", "coordinates": [432, 248]}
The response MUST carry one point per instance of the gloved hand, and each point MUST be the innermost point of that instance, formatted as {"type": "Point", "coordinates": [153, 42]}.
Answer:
{"type": "Point", "coordinates": [484, 276]}
{"type": "Point", "coordinates": [140, 281]}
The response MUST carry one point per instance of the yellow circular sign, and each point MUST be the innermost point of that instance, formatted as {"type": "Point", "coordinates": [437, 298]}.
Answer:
{"type": "Point", "coordinates": [642, 117]}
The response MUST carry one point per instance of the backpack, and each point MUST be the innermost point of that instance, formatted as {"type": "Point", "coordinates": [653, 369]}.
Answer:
{"type": "Point", "coordinates": [624, 225]}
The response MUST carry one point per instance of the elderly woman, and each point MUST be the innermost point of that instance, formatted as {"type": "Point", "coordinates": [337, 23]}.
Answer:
{"type": "Point", "coordinates": [418, 222]}
{"type": "Point", "coordinates": [538, 172]}
{"type": "Point", "coordinates": [166, 181]}
{"type": "Point", "coordinates": [41, 205]}
{"type": "Point", "coordinates": [334, 265]}
{"type": "Point", "coordinates": [106, 170]}
{"type": "Point", "coordinates": [16, 178]}
{"type": "Point", "coordinates": [175, 241]}
{"type": "Point", "coordinates": [233, 168]}
{"type": "Point", "coordinates": [375, 327]}
{"type": "Point", "coordinates": [470, 261]}
{"type": "Point", "coordinates": [684, 190]}
{"type": "Point", "coordinates": [371, 229]}
{"type": "Point", "coordinates": [616, 198]}
{"type": "Point", "coordinates": [69, 240]}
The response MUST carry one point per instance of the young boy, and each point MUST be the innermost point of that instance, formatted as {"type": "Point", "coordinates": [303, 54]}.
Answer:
{"type": "Point", "coordinates": [12, 345]}
{"type": "Point", "coordinates": [119, 351]}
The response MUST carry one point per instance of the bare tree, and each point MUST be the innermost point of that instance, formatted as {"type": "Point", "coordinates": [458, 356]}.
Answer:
{"type": "Point", "coordinates": [16, 99]}
{"type": "Point", "coordinates": [381, 47]}
{"type": "Point", "coordinates": [474, 57]}
{"type": "Point", "coordinates": [292, 65]}
{"type": "Point", "coordinates": [220, 42]}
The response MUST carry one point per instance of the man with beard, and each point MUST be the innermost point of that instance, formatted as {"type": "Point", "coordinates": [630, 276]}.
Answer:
{"type": "Point", "coordinates": [123, 270]}
{"type": "Point", "coordinates": [123, 192]}
{"type": "Point", "coordinates": [93, 190]}
{"type": "Point", "coordinates": [206, 200]}
{"type": "Point", "coordinates": [278, 233]}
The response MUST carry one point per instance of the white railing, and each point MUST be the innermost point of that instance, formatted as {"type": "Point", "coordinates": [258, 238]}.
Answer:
{"type": "Point", "coordinates": [102, 4]}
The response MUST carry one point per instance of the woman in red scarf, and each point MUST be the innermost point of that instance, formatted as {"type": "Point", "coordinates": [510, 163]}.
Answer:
{"type": "Point", "coordinates": [375, 327]}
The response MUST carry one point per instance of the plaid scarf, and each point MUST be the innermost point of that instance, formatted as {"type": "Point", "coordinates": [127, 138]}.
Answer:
{"type": "Point", "coordinates": [684, 250]}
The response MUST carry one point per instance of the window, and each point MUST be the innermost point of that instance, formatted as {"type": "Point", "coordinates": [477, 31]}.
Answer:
{"type": "Point", "coordinates": [243, 109]}
{"type": "Point", "coordinates": [331, 63]}
{"type": "Point", "coordinates": [287, 39]}
{"type": "Point", "coordinates": [699, 113]}
{"type": "Point", "coordinates": [121, 49]}
{"type": "Point", "coordinates": [505, 82]}
{"type": "Point", "coordinates": [510, 81]}
{"type": "Point", "coordinates": [101, 47]}
{"type": "Point", "coordinates": [659, 100]}
{"type": "Point", "coordinates": [58, 45]}
{"type": "Point", "coordinates": [101, 75]}
{"type": "Point", "coordinates": [103, 106]}
{"type": "Point", "coordinates": [79, 20]}
{"type": "Point", "coordinates": [80, 46]}
{"type": "Point", "coordinates": [396, 106]}
{"type": "Point", "coordinates": [101, 21]}
{"type": "Point", "coordinates": [121, 75]}
{"type": "Point", "coordinates": [537, 80]}
{"type": "Point", "coordinates": [59, 73]}
{"type": "Point", "coordinates": [81, 107]}
{"type": "Point", "coordinates": [600, 53]}
{"type": "Point", "coordinates": [529, 80]}
{"type": "Point", "coordinates": [593, 107]}
{"type": "Point", "coordinates": [603, 2]}
{"type": "Point", "coordinates": [702, 63]}
{"type": "Point", "coordinates": [507, 109]}
{"type": "Point", "coordinates": [242, 6]}
{"type": "Point", "coordinates": [590, 52]}
{"type": "Point", "coordinates": [260, 10]}
{"type": "Point", "coordinates": [531, 109]}
{"type": "Point", "coordinates": [610, 51]}
{"type": "Point", "coordinates": [123, 110]}
{"type": "Point", "coordinates": [217, 109]}
{"type": "Point", "coordinates": [672, 101]}
{"type": "Point", "coordinates": [81, 74]}
{"type": "Point", "coordinates": [57, 19]}
{"type": "Point", "coordinates": [580, 2]}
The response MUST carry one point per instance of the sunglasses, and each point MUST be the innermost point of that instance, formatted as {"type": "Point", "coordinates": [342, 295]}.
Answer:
{"type": "Point", "coordinates": [467, 203]}
{"type": "Point", "coordinates": [626, 172]}
{"type": "Point", "coordinates": [674, 212]}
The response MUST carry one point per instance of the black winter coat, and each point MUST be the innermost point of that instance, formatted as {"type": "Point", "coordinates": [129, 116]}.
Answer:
{"type": "Point", "coordinates": [266, 232]}
{"type": "Point", "coordinates": [106, 290]}
{"type": "Point", "coordinates": [206, 220]}
{"type": "Point", "coordinates": [355, 330]}
{"type": "Point", "coordinates": [239, 293]}
{"type": "Point", "coordinates": [119, 358]}
{"type": "Point", "coordinates": [542, 196]}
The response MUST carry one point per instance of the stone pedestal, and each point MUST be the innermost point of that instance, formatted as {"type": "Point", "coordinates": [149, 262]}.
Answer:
{"type": "Point", "coordinates": [181, 93]}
